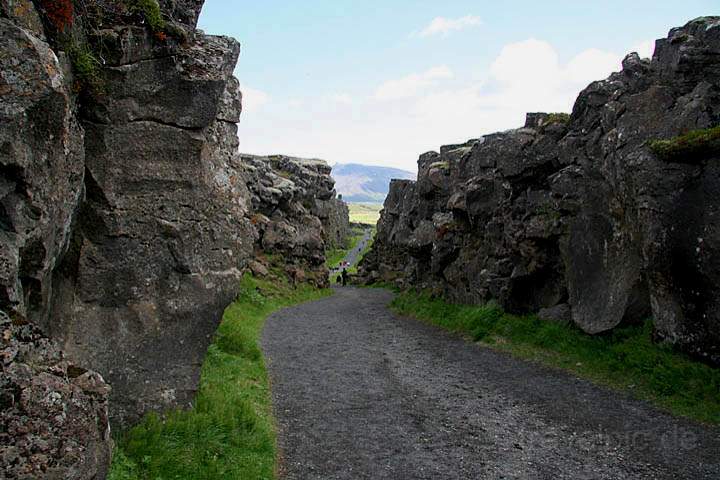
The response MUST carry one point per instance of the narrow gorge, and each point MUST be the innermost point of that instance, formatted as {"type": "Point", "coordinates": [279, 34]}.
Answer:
{"type": "Point", "coordinates": [129, 221]}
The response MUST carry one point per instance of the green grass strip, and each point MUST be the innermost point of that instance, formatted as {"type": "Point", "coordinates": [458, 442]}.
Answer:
{"type": "Point", "coordinates": [625, 359]}
{"type": "Point", "coordinates": [230, 432]}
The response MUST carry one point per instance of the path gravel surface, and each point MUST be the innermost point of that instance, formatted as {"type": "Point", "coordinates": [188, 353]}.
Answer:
{"type": "Point", "coordinates": [353, 256]}
{"type": "Point", "coordinates": [361, 393]}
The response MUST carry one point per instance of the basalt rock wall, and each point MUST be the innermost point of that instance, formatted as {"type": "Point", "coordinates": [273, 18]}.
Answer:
{"type": "Point", "coordinates": [296, 212]}
{"type": "Point", "coordinates": [577, 217]}
{"type": "Point", "coordinates": [127, 218]}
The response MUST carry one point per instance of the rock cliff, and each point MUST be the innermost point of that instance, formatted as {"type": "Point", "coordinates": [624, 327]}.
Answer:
{"type": "Point", "coordinates": [296, 212]}
{"type": "Point", "coordinates": [580, 216]}
{"type": "Point", "coordinates": [127, 219]}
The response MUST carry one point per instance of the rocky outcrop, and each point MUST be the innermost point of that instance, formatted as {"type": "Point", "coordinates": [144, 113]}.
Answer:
{"type": "Point", "coordinates": [53, 414]}
{"type": "Point", "coordinates": [579, 210]}
{"type": "Point", "coordinates": [163, 236]}
{"type": "Point", "coordinates": [296, 212]}
{"type": "Point", "coordinates": [127, 217]}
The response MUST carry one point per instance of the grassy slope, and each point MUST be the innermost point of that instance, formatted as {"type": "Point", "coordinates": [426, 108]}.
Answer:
{"type": "Point", "coordinates": [367, 213]}
{"type": "Point", "coordinates": [625, 359]}
{"type": "Point", "coordinates": [230, 432]}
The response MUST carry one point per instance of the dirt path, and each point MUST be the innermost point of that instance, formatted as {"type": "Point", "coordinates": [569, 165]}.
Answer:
{"type": "Point", "coordinates": [360, 393]}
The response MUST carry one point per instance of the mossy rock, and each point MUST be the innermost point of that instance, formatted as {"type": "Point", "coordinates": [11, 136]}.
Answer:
{"type": "Point", "coordinates": [692, 147]}
{"type": "Point", "coordinates": [561, 118]}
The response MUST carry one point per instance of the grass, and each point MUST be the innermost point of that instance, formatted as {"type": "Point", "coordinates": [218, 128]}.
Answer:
{"type": "Point", "coordinates": [150, 10]}
{"type": "Point", "coordinates": [625, 359]}
{"type": "Point", "coordinates": [229, 433]}
{"type": "Point", "coordinates": [366, 213]}
{"type": "Point", "coordinates": [86, 66]}
{"type": "Point", "coordinates": [694, 146]}
{"type": "Point", "coordinates": [560, 117]}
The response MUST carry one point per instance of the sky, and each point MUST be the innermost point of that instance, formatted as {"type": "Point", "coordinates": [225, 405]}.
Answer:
{"type": "Point", "coordinates": [382, 81]}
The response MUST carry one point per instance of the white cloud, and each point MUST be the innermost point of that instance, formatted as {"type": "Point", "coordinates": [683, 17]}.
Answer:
{"type": "Point", "coordinates": [253, 99]}
{"type": "Point", "coordinates": [444, 26]}
{"type": "Point", "coordinates": [644, 49]}
{"type": "Point", "coordinates": [427, 109]}
{"type": "Point", "coordinates": [412, 85]}
{"type": "Point", "coordinates": [590, 65]}
{"type": "Point", "coordinates": [339, 99]}
{"type": "Point", "coordinates": [296, 103]}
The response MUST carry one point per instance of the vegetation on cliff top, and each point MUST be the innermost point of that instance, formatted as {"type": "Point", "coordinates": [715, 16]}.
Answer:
{"type": "Point", "coordinates": [625, 358]}
{"type": "Point", "coordinates": [230, 431]}
{"type": "Point", "coordinates": [150, 10]}
{"type": "Point", "coordinates": [561, 117]}
{"type": "Point", "coordinates": [73, 27]}
{"type": "Point", "coordinates": [693, 146]}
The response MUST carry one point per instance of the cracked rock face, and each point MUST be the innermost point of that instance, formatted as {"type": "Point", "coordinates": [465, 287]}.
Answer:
{"type": "Point", "coordinates": [163, 236]}
{"type": "Point", "coordinates": [579, 213]}
{"type": "Point", "coordinates": [296, 212]}
{"type": "Point", "coordinates": [127, 215]}
{"type": "Point", "coordinates": [41, 159]}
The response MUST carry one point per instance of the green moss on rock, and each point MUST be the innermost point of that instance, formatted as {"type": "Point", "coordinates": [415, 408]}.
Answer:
{"type": "Point", "coordinates": [150, 9]}
{"type": "Point", "coordinates": [560, 117]}
{"type": "Point", "coordinates": [693, 146]}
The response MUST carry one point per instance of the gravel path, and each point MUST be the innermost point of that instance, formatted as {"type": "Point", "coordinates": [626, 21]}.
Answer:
{"type": "Point", "coordinates": [353, 256]}
{"type": "Point", "coordinates": [360, 393]}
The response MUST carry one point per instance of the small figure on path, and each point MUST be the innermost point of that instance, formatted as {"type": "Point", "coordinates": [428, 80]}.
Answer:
{"type": "Point", "coordinates": [344, 277]}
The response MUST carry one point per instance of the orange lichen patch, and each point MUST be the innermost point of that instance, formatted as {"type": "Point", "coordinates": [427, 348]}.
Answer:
{"type": "Point", "coordinates": [59, 12]}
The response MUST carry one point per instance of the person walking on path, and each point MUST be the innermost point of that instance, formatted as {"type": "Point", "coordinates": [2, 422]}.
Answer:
{"type": "Point", "coordinates": [344, 277]}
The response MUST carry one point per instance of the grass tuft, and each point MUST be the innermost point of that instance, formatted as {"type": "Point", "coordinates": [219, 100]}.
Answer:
{"type": "Point", "coordinates": [86, 66]}
{"type": "Point", "coordinates": [692, 147]}
{"type": "Point", "coordinates": [150, 10]}
{"type": "Point", "coordinates": [229, 433]}
{"type": "Point", "coordinates": [561, 117]}
{"type": "Point", "coordinates": [625, 359]}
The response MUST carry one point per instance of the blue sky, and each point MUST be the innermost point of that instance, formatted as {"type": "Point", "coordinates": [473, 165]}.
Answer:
{"type": "Point", "coordinates": [381, 82]}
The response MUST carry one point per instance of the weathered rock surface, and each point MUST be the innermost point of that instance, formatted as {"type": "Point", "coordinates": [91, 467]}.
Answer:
{"type": "Point", "coordinates": [296, 212]}
{"type": "Point", "coordinates": [163, 236]}
{"type": "Point", "coordinates": [126, 221]}
{"type": "Point", "coordinates": [579, 212]}
{"type": "Point", "coordinates": [53, 414]}
{"type": "Point", "coordinates": [42, 164]}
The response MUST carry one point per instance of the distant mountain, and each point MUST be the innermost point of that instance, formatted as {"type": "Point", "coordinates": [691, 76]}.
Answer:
{"type": "Point", "coordinates": [365, 183]}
